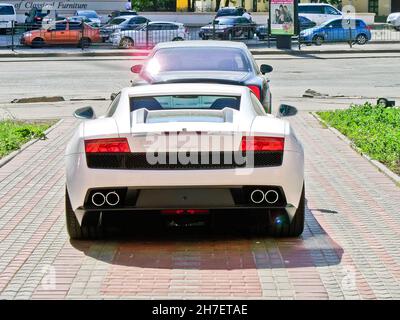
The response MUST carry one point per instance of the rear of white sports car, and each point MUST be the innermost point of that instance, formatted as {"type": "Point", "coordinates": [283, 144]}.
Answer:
{"type": "Point", "coordinates": [196, 150]}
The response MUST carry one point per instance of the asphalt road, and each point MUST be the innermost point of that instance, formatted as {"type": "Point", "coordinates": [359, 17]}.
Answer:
{"type": "Point", "coordinates": [346, 78]}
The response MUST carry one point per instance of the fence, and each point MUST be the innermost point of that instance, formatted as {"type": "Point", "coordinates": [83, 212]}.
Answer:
{"type": "Point", "coordinates": [79, 34]}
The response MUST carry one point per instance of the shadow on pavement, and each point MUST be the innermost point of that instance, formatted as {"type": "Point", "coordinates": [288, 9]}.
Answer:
{"type": "Point", "coordinates": [225, 246]}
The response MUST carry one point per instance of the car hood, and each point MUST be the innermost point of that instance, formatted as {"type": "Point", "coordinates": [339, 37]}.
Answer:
{"type": "Point", "coordinates": [229, 77]}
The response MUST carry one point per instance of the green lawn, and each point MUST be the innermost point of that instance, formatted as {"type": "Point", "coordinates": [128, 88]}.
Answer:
{"type": "Point", "coordinates": [13, 134]}
{"type": "Point", "coordinates": [375, 130]}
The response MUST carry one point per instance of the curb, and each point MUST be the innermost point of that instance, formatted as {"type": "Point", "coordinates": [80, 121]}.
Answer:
{"type": "Point", "coordinates": [381, 167]}
{"type": "Point", "coordinates": [13, 154]}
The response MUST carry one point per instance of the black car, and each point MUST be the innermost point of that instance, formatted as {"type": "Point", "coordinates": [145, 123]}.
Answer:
{"type": "Point", "coordinates": [34, 18]}
{"type": "Point", "coordinates": [227, 62]}
{"type": "Point", "coordinates": [122, 23]}
{"type": "Point", "coordinates": [229, 11]}
{"type": "Point", "coordinates": [228, 28]}
{"type": "Point", "coordinates": [118, 13]}
{"type": "Point", "coordinates": [305, 23]}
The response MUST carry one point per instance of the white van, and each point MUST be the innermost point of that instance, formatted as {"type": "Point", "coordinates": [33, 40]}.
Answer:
{"type": "Point", "coordinates": [319, 12]}
{"type": "Point", "coordinates": [7, 15]}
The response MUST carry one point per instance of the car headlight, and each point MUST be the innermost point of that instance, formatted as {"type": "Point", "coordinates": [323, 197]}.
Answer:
{"type": "Point", "coordinates": [28, 34]}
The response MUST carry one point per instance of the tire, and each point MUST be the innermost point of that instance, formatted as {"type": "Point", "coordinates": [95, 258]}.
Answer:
{"type": "Point", "coordinates": [177, 39]}
{"type": "Point", "coordinates": [318, 40]}
{"type": "Point", "coordinates": [295, 227]}
{"type": "Point", "coordinates": [84, 43]}
{"type": "Point", "coordinates": [361, 39]}
{"type": "Point", "coordinates": [37, 43]}
{"type": "Point", "coordinates": [87, 230]}
{"type": "Point", "coordinates": [126, 43]}
{"type": "Point", "coordinates": [250, 35]}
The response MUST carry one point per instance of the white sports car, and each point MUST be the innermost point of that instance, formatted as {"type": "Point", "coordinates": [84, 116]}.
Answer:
{"type": "Point", "coordinates": [184, 150]}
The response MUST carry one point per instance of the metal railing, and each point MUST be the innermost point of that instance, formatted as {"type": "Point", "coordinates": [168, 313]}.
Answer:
{"type": "Point", "coordinates": [142, 36]}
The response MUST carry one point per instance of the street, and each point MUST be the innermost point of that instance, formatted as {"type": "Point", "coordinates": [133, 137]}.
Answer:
{"type": "Point", "coordinates": [90, 78]}
{"type": "Point", "coordinates": [349, 248]}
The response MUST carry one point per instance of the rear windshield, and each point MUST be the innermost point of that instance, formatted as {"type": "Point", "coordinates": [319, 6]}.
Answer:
{"type": "Point", "coordinates": [175, 102]}
{"type": "Point", "coordinates": [6, 10]}
{"type": "Point", "coordinates": [225, 21]}
{"type": "Point", "coordinates": [192, 59]}
{"type": "Point", "coordinates": [88, 14]}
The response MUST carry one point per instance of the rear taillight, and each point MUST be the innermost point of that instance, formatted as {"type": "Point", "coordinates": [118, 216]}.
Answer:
{"type": "Point", "coordinates": [38, 18]}
{"type": "Point", "coordinates": [256, 91]}
{"type": "Point", "coordinates": [112, 145]}
{"type": "Point", "coordinates": [262, 144]}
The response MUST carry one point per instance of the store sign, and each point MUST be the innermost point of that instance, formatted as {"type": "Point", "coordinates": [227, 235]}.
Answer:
{"type": "Point", "coordinates": [23, 6]}
{"type": "Point", "coordinates": [282, 17]}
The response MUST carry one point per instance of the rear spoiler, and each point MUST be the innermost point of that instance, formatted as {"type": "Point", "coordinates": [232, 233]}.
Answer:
{"type": "Point", "coordinates": [199, 80]}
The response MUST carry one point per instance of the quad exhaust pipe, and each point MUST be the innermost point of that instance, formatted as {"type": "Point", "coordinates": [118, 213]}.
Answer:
{"type": "Point", "coordinates": [111, 198]}
{"type": "Point", "coordinates": [258, 196]}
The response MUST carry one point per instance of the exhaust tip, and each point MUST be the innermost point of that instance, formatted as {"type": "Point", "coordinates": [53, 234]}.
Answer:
{"type": "Point", "coordinates": [257, 196]}
{"type": "Point", "coordinates": [112, 198]}
{"type": "Point", "coordinates": [98, 199]}
{"type": "Point", "coordinates": [271, 196]}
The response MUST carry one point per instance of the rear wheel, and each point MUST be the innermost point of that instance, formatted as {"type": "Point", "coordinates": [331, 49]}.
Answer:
{"type": "Point", "coordinates": [177, 39]}
{"type": "Point", "coordinates": [361, 39]}
{"type": "Point", "coordinates": [84, 43]}
{"type": "Point", "coordinates": [318, 40]}
{"type": "Point", "coordinates": [126, 43]}
{"type": "Point", "coordinates": [295, 227]}
{"type": "Point", "coordinates": [87, 230]}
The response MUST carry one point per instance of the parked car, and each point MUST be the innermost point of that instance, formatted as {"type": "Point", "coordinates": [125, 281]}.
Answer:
{"type": "Point", "coordinates": [394, 20]}
{"type": "Point", "coordinates": [122, 23]}
{"type": "Point", "coordinates": [82, 19]}
{"type": "Point", "coordinates": [236, 159]}
{"type": "Point", "coordinates": [150, 34]}
{"type": "Point", "coordinates": [7, 17]}
{"type": "Point", "coordinates": [117, 13]}
{"type": "Point", "coordinates": [305, 23]}
{"type": "Point", "coordinates": [228, 28]}
{"type": "Point", "coordinates": [226, 62]}
{"type": "Point", "coordinates": [61, 32]}
{"type": "Point", "coordinates": [229, 11]}
{"type": "Point", "coordinates": [91, 15]}
{"type": "Point", "coordinates": [34, 18]}
{"type": "Point", "coordinates": [336, 30]}
{"type": "Point", "coordinates": [319, 12]}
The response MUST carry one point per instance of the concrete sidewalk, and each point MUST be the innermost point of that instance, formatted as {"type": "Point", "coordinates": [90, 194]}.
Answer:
{"type": "Point", "coordinates": [256, 49]}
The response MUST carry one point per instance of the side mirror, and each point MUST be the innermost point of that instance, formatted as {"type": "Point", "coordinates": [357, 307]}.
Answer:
{"type": "Point", "coordinates": [136, 68]}
{"type": "Point", "coordinates": [84, 113]}
{"type": "Point", "coordinates": [286, 111]}
{"type": "Point", "coordinates": [265, 68]}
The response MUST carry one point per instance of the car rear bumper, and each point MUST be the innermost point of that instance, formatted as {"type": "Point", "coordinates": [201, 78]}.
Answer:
{"type": "Point", "coordinates": [289, 177]}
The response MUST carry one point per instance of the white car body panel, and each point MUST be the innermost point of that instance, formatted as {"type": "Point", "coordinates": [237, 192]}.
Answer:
{"type": "Point", "coordinates": [394, 19]}
{"type": "Point", "coordinates": [321, 17]}
{"type": "Point", "coordinates": [7, 19]}
{"type": "Point", "coordinates": [289, 176]}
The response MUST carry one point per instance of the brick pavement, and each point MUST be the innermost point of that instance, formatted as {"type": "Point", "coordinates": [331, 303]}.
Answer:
{"type": "Point", "coordinates": [349, 249]}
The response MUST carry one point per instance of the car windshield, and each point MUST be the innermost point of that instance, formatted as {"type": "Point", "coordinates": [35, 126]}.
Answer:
{"type": "Point", "coordinates": [174, 102]}
{"type": "Point", "coordinates": [88, 14]}
{"type": "Point", "coordinates": [6, 10]}
{"type": "Point", "coordinates": [117, 21]}
{"type": "Point", "coordinates": [225, 21]}
{"type": "Point", "coordinates": [192, 59]}
{"type": "Point", "coordinates": [226, 12]}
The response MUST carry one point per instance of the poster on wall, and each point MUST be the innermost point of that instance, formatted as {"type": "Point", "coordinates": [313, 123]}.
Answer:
{"type": "Point", "coordinates": [282, 17]}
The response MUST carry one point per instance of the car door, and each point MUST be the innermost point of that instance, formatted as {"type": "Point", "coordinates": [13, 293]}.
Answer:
{"type": "Point", "coordinates": [57, 33]}
{"type": "Point", "coordinates": [74, 32]}
{"type": "Point", "coordinates": [155, 33]}
{"type": "Point", "coordinates": [334, 31]}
